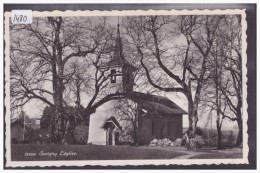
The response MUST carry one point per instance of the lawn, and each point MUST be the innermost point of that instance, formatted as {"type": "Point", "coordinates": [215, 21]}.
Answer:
{"type": "Point", "coordinates": [34, 152]}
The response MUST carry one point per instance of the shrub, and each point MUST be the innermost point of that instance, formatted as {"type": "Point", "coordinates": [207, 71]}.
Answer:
{"type": "Point", "coordinates": [195, 142]}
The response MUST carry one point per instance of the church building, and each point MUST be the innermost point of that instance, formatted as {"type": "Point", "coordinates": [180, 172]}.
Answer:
{"type": "Point", "coordinates": [158, 117]}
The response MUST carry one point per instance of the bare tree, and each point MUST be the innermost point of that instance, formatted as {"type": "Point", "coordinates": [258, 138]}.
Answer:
{"type": "Point", "coordinates": [40, 53]}
{"type": "Point", "coordinates": [231, 87]}
{"type": "Point", "coordinates": [223, 90]}
{"type": "Point", "coordinates": [211, 97]}
{"type": "Point", "coordinates": [187, 67]}
{"type": "Point", "coordinates": [127, 112]}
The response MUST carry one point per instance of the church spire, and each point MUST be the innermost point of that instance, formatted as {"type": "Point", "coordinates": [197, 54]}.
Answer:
{"type": "Point", "coordinates": [118, 57]}
{"type": "Point", "coordinates": [119, 65]}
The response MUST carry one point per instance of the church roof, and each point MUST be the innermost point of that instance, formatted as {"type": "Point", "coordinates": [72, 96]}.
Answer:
{"type": "Point", "coordinates": [156, 104]}
{"type": "Point", "coordinates": [113, 121]}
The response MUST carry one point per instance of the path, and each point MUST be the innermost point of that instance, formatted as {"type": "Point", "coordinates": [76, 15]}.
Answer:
{"type": "Point", "coordinates": [189, 154]}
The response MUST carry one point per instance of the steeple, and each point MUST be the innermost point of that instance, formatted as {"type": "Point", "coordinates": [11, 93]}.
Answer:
{"type": "Point", "coordinates": [118, 57]}
{"type": "Point", "coordinates": [119, 66]}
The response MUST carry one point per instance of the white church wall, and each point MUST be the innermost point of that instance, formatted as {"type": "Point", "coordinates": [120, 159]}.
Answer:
{"type": "Point", "coordinates": [97, 135]}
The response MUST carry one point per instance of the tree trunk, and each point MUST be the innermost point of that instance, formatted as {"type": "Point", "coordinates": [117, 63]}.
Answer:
{"type": "Point", "coordinates": [192, 126]}
{"type": "Point", "coordinates": [58, 127]}
{"type": "Point", "coordinates": [190, 112]}
{"type": "Point", "coordinates": [58, 88]}
{"type": "Point", "coordinates": [240, 130]}
{"type": "Point", "coordinates": [219, 135]}
{"type": "Point", "coordinates": [57, 119]}
{"type": "Point", "coordinates": [217, 80]}
{"type": "Point", "coordinates": [139, 124]}
{"type": "Point", "coordinates": [193, 119]}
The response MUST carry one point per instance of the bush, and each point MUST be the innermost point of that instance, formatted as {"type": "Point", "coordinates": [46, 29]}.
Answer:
{"type": "Point", "coordinates": [195, 143]}
{"type": "Point", "coordinates": [81, 134]}
{"type": "Point", "coordinates": [200, 132]}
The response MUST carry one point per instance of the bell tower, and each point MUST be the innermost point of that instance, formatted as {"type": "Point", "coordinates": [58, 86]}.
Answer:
{"type": "Point", "coordinates": [120, 70]}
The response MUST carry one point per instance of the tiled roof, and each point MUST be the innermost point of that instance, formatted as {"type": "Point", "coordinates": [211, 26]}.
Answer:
{"type": "Point", "coordinates": [156, 104]}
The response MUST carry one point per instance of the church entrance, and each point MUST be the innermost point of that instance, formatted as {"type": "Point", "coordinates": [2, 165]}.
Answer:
{"type": "Point", "coordinates": [110, 136]}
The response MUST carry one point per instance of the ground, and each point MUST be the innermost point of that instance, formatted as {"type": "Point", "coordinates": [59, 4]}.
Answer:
{"type": "Point", "coordinates": [87, 152]}
{"type": "Point", "coordinates": [27, 152]}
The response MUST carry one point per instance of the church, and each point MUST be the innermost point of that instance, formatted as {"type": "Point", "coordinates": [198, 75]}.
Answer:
{"type": "Point", "coordinates": [158, 117]}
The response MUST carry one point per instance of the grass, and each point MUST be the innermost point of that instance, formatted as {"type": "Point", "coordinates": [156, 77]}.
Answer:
{"type": "Point", "coordinates": [88, 152]}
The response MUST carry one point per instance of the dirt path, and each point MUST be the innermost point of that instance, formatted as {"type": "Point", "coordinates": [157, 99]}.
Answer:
{"type": "Point", "coordinates": [189, 154]}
